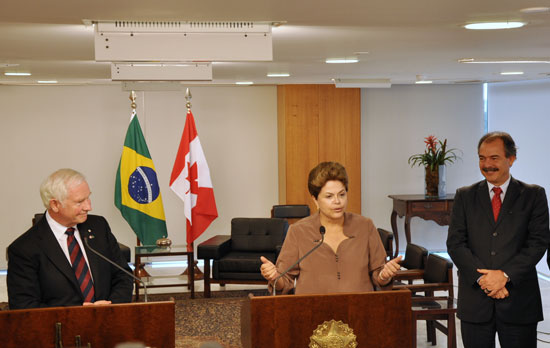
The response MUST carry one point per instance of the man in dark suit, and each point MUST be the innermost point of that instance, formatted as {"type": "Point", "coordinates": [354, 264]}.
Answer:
{"type": "Point", "coordinates": [45, 262]}
{"type": "Point", "coordinates": [498, 233]}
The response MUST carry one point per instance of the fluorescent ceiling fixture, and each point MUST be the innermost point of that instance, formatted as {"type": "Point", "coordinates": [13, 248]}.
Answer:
{"type": "Point", "coordinates": [504, 61]}
{"type": "Point", "coordinates": [494, 25]}
{"type": "Point", "coordinates": [512, 73]}
{"type": "Point", "coordinates": [17, 74]}
{"type": "Point", "coordinates": [278, 75]}
{"type": "Point", "coordinates": [423, 82]}
{"type": "Point", "coordinates": [362, 83]}
{"type": "Point", "coordinates": [535, 9]}
{"type": "Point", "coordinates": [47, 81]}
{"type": "Point", "coordinates": [244, 83]}
{"type": "Point", "coordinates": [341, 60]}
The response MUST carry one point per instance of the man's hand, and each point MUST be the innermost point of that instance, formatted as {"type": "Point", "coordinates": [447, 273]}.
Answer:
{"type": "Point", "coordinates": [96, 303]}
{"type": "Point", "coordinates": [492, 281]}
{"type": "Point", "coordinates": [499, 295]}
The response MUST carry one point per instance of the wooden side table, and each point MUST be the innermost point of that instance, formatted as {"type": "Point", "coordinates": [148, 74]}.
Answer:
{"type": "Point", "coordinates": [155, 251]}
{"type": "Point", "coordinates": [435, 209]}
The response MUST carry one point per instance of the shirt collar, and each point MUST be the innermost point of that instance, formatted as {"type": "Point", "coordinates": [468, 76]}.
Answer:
{"type": "Point", "coordinates": [504, 186]}
{"type": "Point", "coordinates": [57, 228]}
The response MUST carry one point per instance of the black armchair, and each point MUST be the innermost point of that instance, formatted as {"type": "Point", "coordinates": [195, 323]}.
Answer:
{"type": "Point", "coordinates": [387, 240]}
{"type": "Point", "coordinates": [236, 258]}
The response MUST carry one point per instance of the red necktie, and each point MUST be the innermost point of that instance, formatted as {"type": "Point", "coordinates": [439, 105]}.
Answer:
{"type": "Point", "coordinates": [496, 202]}
{"type": "Point", "coordinates": [80, 267]}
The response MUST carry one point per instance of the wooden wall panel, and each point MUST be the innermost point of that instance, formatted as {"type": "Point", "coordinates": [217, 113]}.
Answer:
{"type": "Point", "coordinates": [340, 135]}
{"type": "Point", "coordinates": [317, 123]}
{"type": "Point", "coordinates": [301, 148]}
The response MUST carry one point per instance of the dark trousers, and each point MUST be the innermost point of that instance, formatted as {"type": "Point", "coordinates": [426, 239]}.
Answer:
{"type": "Point", "coordinates": [482, 335]}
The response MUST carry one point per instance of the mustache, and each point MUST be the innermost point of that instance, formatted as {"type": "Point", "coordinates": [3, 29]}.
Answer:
{"type": "Point", "coordinates": [489, 169]}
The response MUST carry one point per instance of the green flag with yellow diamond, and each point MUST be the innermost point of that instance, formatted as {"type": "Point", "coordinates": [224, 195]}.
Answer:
{"type": "Point", "coordinates": [137, 192]}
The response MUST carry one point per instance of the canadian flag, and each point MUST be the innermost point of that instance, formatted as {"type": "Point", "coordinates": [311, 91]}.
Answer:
{"type": "Point", "coordinates": [190, 180]}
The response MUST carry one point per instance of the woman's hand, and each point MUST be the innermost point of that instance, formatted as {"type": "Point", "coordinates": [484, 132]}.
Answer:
{"type": "Point", "coordinates": [389, 270]}
{"type": "Point", "coordinates": [268, 269]}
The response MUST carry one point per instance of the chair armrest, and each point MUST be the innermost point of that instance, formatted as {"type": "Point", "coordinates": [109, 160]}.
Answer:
{"type": "Point", "coordinates": [214, 248]}
{"type": "Point", "coordinates": [409, 274]}
{"type": "Point", "coordinates": [423, 287]}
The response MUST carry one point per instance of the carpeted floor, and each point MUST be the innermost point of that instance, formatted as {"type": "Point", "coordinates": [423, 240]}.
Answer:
{"type": "Point", "coordinates": [216, 319]}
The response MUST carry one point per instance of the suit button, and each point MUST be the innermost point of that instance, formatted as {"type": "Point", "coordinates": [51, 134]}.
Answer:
{"type": "Point", "coordinates": [495, 234]}
{"type": "Point", "coordinates": [493, 253]}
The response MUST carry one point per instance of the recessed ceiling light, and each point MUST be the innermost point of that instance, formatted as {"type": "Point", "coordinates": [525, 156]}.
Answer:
{"type": "Point", "coordinates": [505, 61]}
{"type": "Point", "coordinates": [17, 74]}
{"type": "Point", "coordinates": [535, 9]}
{"type": "Point", "coordinates": [244, 83]}
{"type": "Point", "coordinates": [494, 25]}
{"type": "Point", "coordinates": [47, 81]}
{"type": "Point", "coordinates": [278, 75]}
{"type": "Point", "coordinates": [423, 82]}
{"type": "Point", "coordinates": [341, 60]}
{"type": "Point", "coordinates": [512, 73]}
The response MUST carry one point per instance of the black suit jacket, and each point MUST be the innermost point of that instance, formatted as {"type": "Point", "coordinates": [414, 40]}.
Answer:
{"type": "Point", "coordinates": [514, 244]}
{"type": "Point", "coordinates": [39, 274]}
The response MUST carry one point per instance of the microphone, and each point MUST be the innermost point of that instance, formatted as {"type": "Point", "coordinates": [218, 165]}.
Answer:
{"type": "Point", "coordinates": [322, 230]}
{"type": "Point", "coordinates": [116, 265]}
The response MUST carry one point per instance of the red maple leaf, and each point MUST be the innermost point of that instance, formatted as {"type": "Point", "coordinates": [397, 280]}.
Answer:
{"type": "Point", "coordinates": [193, 179]}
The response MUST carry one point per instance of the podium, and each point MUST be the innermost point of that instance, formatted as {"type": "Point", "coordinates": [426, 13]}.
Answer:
{"type": "Point", "coordinates": [104, 326]}
{"type": "Point", "coordinates": [381, 319]}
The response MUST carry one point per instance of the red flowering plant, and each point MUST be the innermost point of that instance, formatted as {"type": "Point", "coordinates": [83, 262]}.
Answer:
{"type": "Point", "coordinates": [436, 154]}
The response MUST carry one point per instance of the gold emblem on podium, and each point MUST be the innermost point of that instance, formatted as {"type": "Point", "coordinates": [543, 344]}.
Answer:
{"type": "Point", "coordinates": [333, 334]}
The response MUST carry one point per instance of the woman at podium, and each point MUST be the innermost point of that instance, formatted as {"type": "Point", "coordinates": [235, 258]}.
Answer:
{"type": "Point", "coordinates": [347, 256]}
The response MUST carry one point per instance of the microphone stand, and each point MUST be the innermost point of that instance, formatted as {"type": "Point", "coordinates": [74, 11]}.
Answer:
{"type": "Point", "coordinates": [117, 266]}
{"type": "Point", "coordinates": [322, 231]}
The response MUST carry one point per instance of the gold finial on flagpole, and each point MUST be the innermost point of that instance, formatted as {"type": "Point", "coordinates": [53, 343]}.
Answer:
{"type": "Point", "coordinates": [133, 99]}
{"type": "Point", "coordinates": [188, 97]}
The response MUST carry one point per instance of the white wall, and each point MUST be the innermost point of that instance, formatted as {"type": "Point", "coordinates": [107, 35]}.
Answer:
{"type": "Point", "coordinates": [394, 124]}
{"type": "Point", "coordinates": [83, 127]}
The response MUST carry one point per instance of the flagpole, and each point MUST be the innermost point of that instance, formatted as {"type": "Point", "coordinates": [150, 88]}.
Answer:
{"type": "Point", "coordinates": [140, 270]}
{"type": "Point", "coordinates": [198, 273]}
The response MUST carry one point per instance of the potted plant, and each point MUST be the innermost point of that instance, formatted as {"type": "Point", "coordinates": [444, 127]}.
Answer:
{"type": "Point", "coordinates": [433, 160]}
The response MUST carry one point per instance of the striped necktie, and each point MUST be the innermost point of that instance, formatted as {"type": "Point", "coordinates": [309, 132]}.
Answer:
{"type": "Point", "coordinates": [496, 202]}
{"type": "Point", "coordinates": [80, 267]}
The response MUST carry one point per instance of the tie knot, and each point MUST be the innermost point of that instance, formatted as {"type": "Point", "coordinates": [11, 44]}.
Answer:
{"type": "Point", "coordinates": [497, 190]}
{"type": "Point", "coordinates": [70, 231]}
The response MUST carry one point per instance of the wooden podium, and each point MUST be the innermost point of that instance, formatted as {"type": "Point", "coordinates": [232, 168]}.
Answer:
{"type": "Point", "coordinates": [103, 326]}
{"type": "Point", "coordinates": [378, 319]}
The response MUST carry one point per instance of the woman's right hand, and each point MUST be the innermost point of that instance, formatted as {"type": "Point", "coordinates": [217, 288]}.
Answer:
{"type": "Point", "coordinates": [268, 269]}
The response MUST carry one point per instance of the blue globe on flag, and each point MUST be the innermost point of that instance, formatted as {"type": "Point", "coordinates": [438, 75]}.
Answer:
{"type": "Point", "coordinates": [143, 185]}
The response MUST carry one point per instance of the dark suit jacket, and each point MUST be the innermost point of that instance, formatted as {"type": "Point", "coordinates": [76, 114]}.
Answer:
{"type": "Point", "coordinates": [39, 274]}
{"type": "Point", "coordinates": [513, 244]}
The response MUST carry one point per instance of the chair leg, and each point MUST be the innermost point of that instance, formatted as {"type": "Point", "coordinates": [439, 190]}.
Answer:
{"type": "Point", "coordinates": [430, 332]}
{"type": "Point", "coordinates": [207, 278]}
{"type": "Point", "coordinates": [451, 331]}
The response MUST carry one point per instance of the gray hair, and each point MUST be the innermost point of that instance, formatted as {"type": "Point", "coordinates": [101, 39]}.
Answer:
{"type": "Point", "coordinates": [57, 183]}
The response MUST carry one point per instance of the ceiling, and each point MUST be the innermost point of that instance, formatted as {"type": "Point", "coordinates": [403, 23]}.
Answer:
{"type": "Point", "coordinates": [396, 40]}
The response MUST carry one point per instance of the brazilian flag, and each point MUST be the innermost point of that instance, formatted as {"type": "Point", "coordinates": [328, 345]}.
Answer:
{"type": "Point", "coordinates": [137, 192]}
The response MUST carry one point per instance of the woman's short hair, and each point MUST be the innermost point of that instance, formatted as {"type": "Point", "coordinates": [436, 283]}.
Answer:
{"type": "Point", "coordinates": [56, 185]}
{"type": "Point", "coordinates": [323, 172]}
